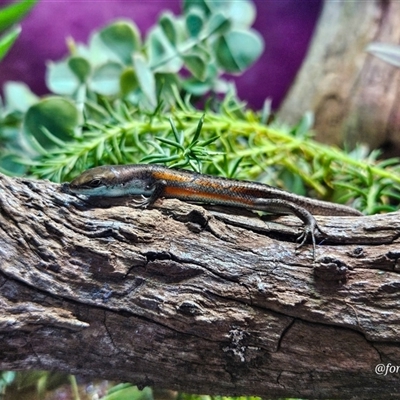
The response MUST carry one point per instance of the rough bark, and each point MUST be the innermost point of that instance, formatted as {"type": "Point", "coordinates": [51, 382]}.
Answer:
{"type": "Point", "coordinates": [353, 94]}
{"type": "Point", "coordinates": [184, 298]}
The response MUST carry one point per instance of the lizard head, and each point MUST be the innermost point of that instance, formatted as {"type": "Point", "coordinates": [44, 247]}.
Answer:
{"type": "Point", "coordinates": [93, 182]}
{"type": "Point", "coordinates": [111, 181]}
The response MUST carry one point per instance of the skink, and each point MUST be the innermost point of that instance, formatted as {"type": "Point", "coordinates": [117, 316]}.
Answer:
{"type": "Point", "coordinates": [154, 181]}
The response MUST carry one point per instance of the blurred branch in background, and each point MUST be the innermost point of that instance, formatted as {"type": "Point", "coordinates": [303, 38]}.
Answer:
{"type": "Point", "coordinates": [354, 95]}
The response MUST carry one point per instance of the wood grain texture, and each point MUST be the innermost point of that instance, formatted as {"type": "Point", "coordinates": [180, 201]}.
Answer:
{"type": "Point", "coordinates": [196, 299]}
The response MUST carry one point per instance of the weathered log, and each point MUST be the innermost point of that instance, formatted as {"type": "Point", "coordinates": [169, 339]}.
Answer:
{"type": "Point", "coordinates": [353, 94]}
{"type": "Point", "coordinates": [182, 297]}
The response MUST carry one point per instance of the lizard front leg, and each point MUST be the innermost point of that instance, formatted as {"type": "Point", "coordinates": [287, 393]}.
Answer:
{"type": "Point", "coordinates": [157, 190]}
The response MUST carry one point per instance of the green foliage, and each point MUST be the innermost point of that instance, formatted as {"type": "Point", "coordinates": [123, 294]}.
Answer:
{"type": "Point", "coordinates": [182, 150]}
{"type": "Point", "coordinates": [31, 384]}
{"type": "Point", "coordinates": [122, 99]}
{"type": "Point", "coordinates": [13, 13]}
{"type": "Point", "coordinates": [6, 379]}
{"type": "Point", "coordinates": [232, 142]}
{"type": "Point", "coordinates": [119, 77]}
{"type": "Point", "coordinates": [126, 391]}
{"type": "Point", "coordinates": [183, 396]}
{"type": "Point", "coordinates": [38, 385]}
{"type": "Point", "coordinates": [118, 63]}
{"type": "Point", "coordinates": [9, 16]}
{"type": "Point", "coordinates": [7, 40]}
{"type": "Point", "coordinates": [39, 122]}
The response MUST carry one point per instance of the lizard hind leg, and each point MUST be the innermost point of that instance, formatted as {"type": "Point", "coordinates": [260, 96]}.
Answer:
{"type": "Point", "coordinates": [280, 206]}
{"type": "Point", "coordinates": [308, 230]}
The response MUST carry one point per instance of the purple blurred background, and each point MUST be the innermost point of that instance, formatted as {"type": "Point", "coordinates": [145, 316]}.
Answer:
{"type": "Point", "coordinates": [286, 25]}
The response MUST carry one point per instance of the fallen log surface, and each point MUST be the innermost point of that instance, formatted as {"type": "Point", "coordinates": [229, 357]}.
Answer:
{"type": "Point", "coordinates": [198, 300]}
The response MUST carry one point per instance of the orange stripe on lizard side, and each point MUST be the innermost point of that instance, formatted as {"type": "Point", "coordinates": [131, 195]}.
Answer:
{"type": "Point", "coordinates": [171, 176]}
{"type": "Point", "coordinates": [192, 194]}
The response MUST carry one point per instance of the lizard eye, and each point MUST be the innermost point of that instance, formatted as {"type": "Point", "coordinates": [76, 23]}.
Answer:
{"type": "Point", "coordinates": [94, 183]}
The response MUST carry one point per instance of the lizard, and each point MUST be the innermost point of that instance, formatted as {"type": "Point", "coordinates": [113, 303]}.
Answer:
{"type": "Point", "coordinates": [151, 182]}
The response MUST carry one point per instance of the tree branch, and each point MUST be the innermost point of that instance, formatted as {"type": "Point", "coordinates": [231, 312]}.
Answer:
{"type": "Point", "coordinates": [181, 297]}
{"type": "Point", "coordinates": [354, 95]}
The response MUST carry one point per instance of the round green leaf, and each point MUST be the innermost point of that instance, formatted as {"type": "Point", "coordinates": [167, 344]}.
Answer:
{"type": "Point", "coordinates": [241, 13]}
{"type": "Point", "coordinates": [8, 377]}
{"type": "Point", "coordinates": [98, 52]}
{"type": "Point", "coordinates": [106, 79]}
{"type": "Point", "coordinates": [196, 65]}
{"type": "Point", "coordinates": [218, 24]}
{"type": "Point", "coordinates": [9, 165]}
{"type": "Point", "coordinates": [169, 25]}
{"type": "Point", "coordinates": [18, 96]}
{"type": "Point", "coordinates": [163, 56]}
{"type": "Point", "coordinates": [194, 21]}
{"type": "Point", "coordinates": [123, 38]}
{"type": "Point", "coordinates": [51, 121]}
{"type": "Point", "coordinates": [199, 4]}
{"type": "Point", "coordinates": [196, 87]}
{"type": "Point", "coordinates": [199, 88]}
{"type": "Point", "coordinates": [238, 49]}
{"type": "Point", "coordinates": [146, 78]}
{"type": "Point", "coordinates": [202, 51]}
{"type": "Point", "coordinates": [80, 67]}
{"type": "Point", "coordinates": [128, 81]}
{"type": "Point", "coordinates": [60, 79]}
